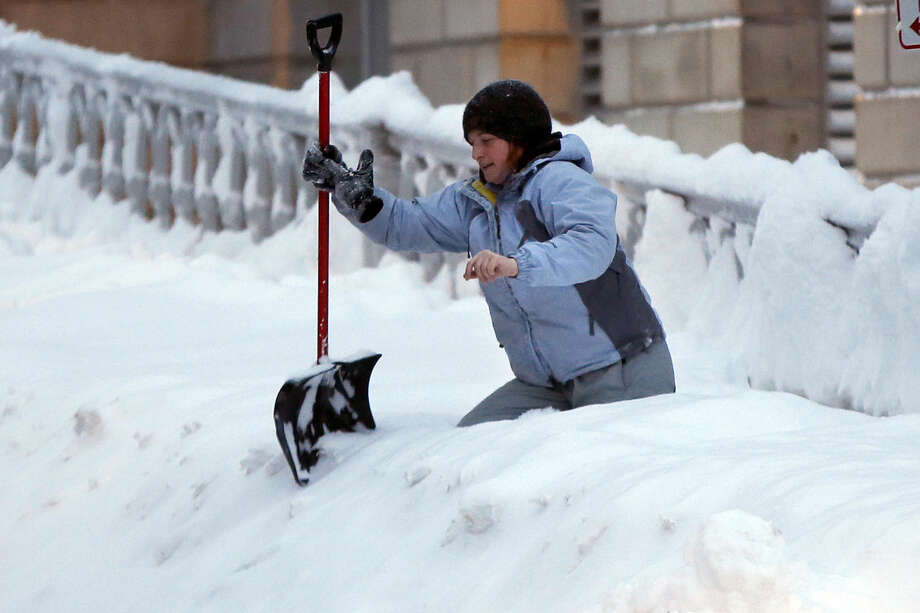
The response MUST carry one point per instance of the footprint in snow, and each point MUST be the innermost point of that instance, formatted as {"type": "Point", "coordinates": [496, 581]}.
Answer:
{"type": "Point", "coordinates": [475, 520]}
{"type": "Point", "coordinates": [87, 423]}
{"type": "Point", "coordinates": [256, 459]}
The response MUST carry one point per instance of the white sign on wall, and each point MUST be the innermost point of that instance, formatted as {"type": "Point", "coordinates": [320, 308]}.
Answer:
{"type": "Point", "coordinates": [909, 23]}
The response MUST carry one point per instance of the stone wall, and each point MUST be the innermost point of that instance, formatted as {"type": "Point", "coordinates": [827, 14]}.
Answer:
{"type": "Point", "coordinates": [260, 41]}
{"type": "Point", "coordinates": [887, 125]}
{"type": "Point", "coordinates": [706, 73]}
{"type": "Point", "coordinates": [173, 31]}
{"type": "Point", "coordinates": [454, 48]}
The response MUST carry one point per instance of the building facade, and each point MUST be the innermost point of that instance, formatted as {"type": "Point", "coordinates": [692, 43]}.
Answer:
{"type": "Point", "coordinates": [888, 103]}
{"type": "Point", "coordinates": [455, 47]}
{"type": "Point", "coordinates": [256, 40]}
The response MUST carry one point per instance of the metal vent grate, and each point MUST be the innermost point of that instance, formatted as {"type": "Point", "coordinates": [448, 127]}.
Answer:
{"type": "Point", "coordinates": [841, 87]}
{"type": "Point", "coordinates": [589, 13]}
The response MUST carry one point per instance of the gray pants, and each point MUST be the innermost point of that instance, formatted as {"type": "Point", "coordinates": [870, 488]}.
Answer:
{"type": "Point", "coordinates": [646, 374]}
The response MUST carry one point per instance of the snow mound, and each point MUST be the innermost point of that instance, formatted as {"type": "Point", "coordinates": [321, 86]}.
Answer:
{"type": "Point", "coordinates": [736, 563]}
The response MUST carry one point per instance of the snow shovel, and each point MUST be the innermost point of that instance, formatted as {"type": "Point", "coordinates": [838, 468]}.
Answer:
{"type": "Point", "coordinates": [332, 396]}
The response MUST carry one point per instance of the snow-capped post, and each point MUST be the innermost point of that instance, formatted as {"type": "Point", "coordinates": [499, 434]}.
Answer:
{"type": "Point", "coordinates": [333, 395]}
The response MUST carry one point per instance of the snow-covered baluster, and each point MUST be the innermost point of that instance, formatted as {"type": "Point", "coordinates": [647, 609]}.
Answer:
{"type": "Point", "coordinates": [60, 131]}
{"type": "Point", "coordinates": [183, 166]}
{"type": "Point", "coordinates": [307, 195]}
{"type": "Point", "coordinates": [725, 233]}
{"type": "Point", "coordinates": [741, 245]}
{"type": "Point", "coordinates": [9, 94]}
{"type": "Point", "coordinates": [208, 158]}
{"type": "Point", "coordinates": [720, 231]}
{"type": "Point", "coordinates": [137, 128]}
{"type": "Point", "coordinates": [63, 126]}
{"type": "Point", "coordinates": [27, 126]}
{"type": "Point", "coordinates": [43, 148]}
{"type": "Point", "coordinates": [409, 167]}
{"type": "Point", "coordinates": [430, 180]}
{"type": "Point", "coordinates": [345, 143]}
{"type": "Point", "coordinates": [387, 158]}
{"type": "Point", "coordinates": [286, 170]}
{"type": "Point", "coordinates": [631, 206]}
{"type": "Point", "coordinates": [89, 154]}
{"type": "Point", "coordinates": [231, 173]}
{"type": "Point", "coordinates": [257, 192]}
{"type": "Point", "coordinates": [160, 190]}
{"type": "Point", "coordinates": [442, 173]}
{"type": "Point", "coordinates": [113, 173]}
{"type": "Point", "coordinates": [438, 175]}
{"type": "Point", "coordinates": [410, 164]}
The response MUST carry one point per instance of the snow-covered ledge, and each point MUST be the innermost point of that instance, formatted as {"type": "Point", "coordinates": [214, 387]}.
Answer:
{"type": "Point", "coordinates": [173, 142]}
{"type": "Point", "coordinates": [225, 153]}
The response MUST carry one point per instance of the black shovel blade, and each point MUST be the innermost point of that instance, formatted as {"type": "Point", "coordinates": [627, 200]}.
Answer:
{"type": "Point", "coordinates": [332, 397]}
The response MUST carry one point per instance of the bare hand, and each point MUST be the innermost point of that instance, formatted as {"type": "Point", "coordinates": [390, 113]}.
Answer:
{"type": "Point", "coordinates": [487, 266]}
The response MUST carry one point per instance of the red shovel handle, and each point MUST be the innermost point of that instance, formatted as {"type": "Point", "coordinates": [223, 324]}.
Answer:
{"type": "Point", "coordinates": [324, 57]}
{"type": "Point", "coordinates": [322, 300]}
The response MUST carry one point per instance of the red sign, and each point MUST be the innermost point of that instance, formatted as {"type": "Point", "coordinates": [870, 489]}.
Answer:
{"type": "Point", "coordinates": [909, 23]}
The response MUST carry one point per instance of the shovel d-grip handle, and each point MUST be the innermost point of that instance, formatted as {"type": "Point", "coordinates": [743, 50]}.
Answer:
{"type": "Point", "coordinates": [325, 54]}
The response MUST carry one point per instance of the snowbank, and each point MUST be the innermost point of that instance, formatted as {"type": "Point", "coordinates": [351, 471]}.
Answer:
{"type": "Point", "coordinates": [138, 452]}
{"type": "Point", "coordinates": [800, 308]}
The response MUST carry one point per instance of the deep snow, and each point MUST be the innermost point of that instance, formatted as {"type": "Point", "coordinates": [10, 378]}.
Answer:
{"type": "Point", "coordinates": [137, 374]}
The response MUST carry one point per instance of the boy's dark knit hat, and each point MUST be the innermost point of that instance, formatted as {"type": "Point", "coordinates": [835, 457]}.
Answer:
{"type": "Point", "coordinates": [511, 110]}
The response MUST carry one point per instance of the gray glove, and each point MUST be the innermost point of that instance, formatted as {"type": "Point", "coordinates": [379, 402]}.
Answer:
{"type": "Point", "coordinates": [323, 167]}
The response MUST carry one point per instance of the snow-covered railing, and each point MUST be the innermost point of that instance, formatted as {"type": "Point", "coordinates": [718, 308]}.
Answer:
{"type": "Point", "coordinates": [173, 143]}
{"type": "Point", "coordinates": [176, 143]}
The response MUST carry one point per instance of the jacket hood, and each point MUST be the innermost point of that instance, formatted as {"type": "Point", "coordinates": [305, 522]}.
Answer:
{"type": "Point", "coordinates": [571, 149]}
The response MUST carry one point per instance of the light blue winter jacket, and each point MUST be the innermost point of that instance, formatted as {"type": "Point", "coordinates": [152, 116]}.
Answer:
{"type": "Point", "coordinates": [568, 279]}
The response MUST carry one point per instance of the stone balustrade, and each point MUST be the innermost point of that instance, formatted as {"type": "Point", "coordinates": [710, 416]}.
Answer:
{"type": "Point", "coordinates": [225, 154]}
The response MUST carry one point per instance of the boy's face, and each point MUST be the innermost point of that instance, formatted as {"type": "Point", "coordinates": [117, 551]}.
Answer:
{"type": "Point", "coordinates": [497, 158]}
